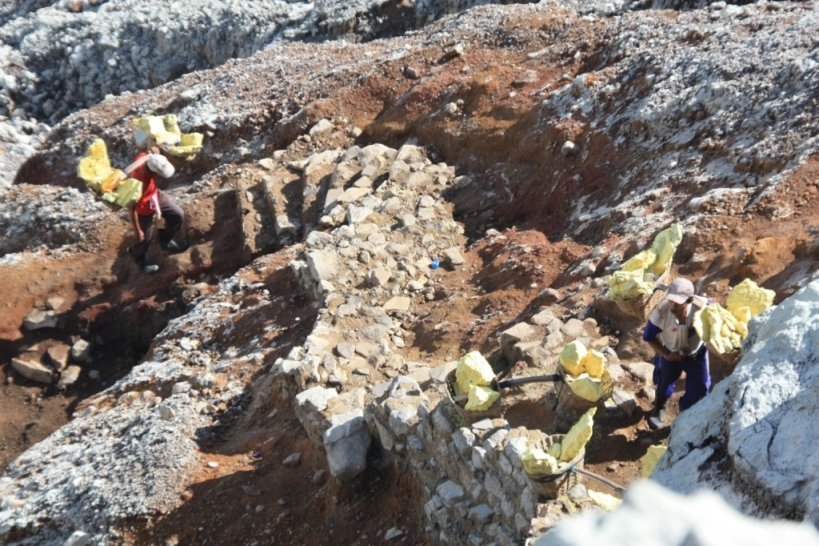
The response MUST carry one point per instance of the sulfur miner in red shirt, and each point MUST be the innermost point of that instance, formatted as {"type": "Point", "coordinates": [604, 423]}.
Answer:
{"type": "Point", "coordinates": [154, 204]}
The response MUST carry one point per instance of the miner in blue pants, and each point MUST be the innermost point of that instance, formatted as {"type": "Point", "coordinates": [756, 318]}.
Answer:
{"type": "Point", "coordinates": [678, 349]}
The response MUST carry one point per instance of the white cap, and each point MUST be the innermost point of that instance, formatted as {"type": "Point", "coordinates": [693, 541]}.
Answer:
{"type": "Point", "coordinates": [681, 291]}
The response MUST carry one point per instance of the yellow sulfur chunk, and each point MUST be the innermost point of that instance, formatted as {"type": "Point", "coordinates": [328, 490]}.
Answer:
{"type": "Point", "coordinates": [480, 398]}
{"type": "Point", "coordinates": [717, 326]}
{"type": "Point", "coordinates": [742, 314]}
{"type": "Point", "coordinates": [94, 167]}
{"type": "Point", "coordinates": [536, 461]}
{"type": "Point", "coordinates": [603, 500]}
{"type": "Point", "coordinates": [590, 388]}
{"type": "Point", "coordinates": [640, 261]}
{"type": "Point", "coordinates": [627, 285]}
{"type": "Point", "coordinates": [748, 294]}
{"type": "Point", "coordinates": [664, 246]}
{"type": "Point", "coordinates": [189, 145]}
{"type": "Point", "coordinates": [473, 369]}
{"type": "Point", "coordinates": [651, 458]}
{"type": "Point", "coordinates": [165, 131]}
{"type": "Point", "coordinates": [154, 127]}
{"type": "Point", "coordinates": [555, 450]}
{"type": "Point", "coordinates": [637, 276]}
{"type": "Point", "coordinates": [594, 364]}
{"type": "Point", "coordinates": [577, 437]}
{"type": "Point", "coordinates": [571, 357]}
{"type": "Point", "coordinates": [127, 192]}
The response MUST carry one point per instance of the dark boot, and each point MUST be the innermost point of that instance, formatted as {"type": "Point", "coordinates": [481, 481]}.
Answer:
{"type": "Point", "coordinates": [656, 418]}
{"type": "Point", "coordinates": [145, 266]}
{"type": "Point", "coordinates": [176, 246]}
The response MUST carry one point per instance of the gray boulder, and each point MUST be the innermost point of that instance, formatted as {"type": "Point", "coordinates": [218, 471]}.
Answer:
{"type": "Point", "coordinates": [347, 441]}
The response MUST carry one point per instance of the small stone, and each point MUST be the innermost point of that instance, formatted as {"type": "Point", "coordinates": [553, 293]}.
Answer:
{"type": "Point", "coordinates": [166, 414]}
{"type": "Point", "coordinates": [93, 374]}
{"type": "Point", "coordinates": [292, 460]}
{"type": "Point", "coordinates": [38, 319]}
{"type": "Point", "coordinates": [398, 303]}
{"type": "Point", "coordinates": [78, 538]}
{"type": "Point", "coordinates": [318, 477]}
{"type": "Point", "coordinates": [455, 51]}
{"type": "Point", "coordinates": [34, 371]}
{"type": "Point", "coordinates": [322, 126]}
{"type": "Point", "coordinates": [345, 350]}
{"type": "Point", "coordinates": [55, 303]}
{"type": "Point", "coordinates": [454, 256]}
{"type": "Point", "coordinates": [213, 464]}
{"type": "Point", "coordinates": [569, 148]}
{"type": "Point", "coordinates": [393, 533]}
{"type": "Point", "coordinates": [411, 72]}
{"type": "Point", "coordinates": [251, 491]}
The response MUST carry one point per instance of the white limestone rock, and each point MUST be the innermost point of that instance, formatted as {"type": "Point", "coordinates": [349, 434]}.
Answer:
{"type": "Point", "coordinates": [653, 515]}
{"type": "Point", "coordinates": [346, 442]}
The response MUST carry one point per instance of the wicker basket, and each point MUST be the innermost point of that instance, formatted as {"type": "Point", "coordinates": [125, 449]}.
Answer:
{"type": "Point", "coordinates": [469, 417]}
{"type": "Point", "coordinates": [570, 407]}
{"type": "Point", "coordinates": [727, 361]}
{"type": "Point", "coordinates": [551, 486]}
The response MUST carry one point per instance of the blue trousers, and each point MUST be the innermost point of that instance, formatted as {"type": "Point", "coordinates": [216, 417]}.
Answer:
{"type": "Point", "coordinates": [697, 378]}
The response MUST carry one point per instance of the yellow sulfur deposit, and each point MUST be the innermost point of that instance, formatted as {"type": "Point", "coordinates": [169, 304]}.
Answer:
{"type": "Point", "coordinates": [604, 500]}
{"type": "Point", "coordinates": [638, 275]}
{"type": "Point", "coordinates": [189, 145]}
{"type": "Point", "coordinates": [536, 461]}
{"type": "Point", "coordinates": [626, 285]}
{"type": "Point", "coordinates": [473, 377]}
{"type": "Point", "coordinates": [594, 364]}
{"type": "Point", "coordinates": [571, 357]}
{"type": "Point", "coordinates": [718, 327]}
{"type": "Point", "coordinates": [165, 130]}
{"type": "Point", "coordinates": [473, 369]}
{"type": "Point", "coordinates": [127, 192]}
{"type": "Point", "coordinates": [640, 261]}
{"type": "Point", "coordinates": [749, 298]}
{"type": "Point", "coordinates": [724, 329]}
{"type": "Point", "coordinates": [590, 388]}
{"type": "Point", "coordinates": [651, 458]}
{"type": "Point", "coordinates": [94, 167]}
{"type": "Point", "coordinates": [555, 450]}
{"type": "Point", "coordinates": [109, 183]}
{"type": "Point", "coordinates": [480, 398]}
{"type": "Point", "coordinates": [664, 246]}
{"type": "Point", "coordinates": [577, 437]}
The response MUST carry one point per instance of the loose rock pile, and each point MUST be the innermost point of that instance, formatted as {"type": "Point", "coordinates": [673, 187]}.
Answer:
{"type": "Point", "coordinates": [55, 217]}
{"type": "Point", "coordinates": [731, 128]}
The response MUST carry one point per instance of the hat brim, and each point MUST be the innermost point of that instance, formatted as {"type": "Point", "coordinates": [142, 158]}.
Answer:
{"type": "Point", "coordinates": [677, 298]}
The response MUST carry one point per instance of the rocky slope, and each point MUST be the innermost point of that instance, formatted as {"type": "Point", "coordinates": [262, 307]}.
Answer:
{"type": "Point", "coordinates": [59, 57]}
{"type": "Point", "coordinates": [528, 149]}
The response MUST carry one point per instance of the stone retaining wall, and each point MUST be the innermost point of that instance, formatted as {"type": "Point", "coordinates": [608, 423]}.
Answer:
{"type": "Point", "coordinates": [369, 271]}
